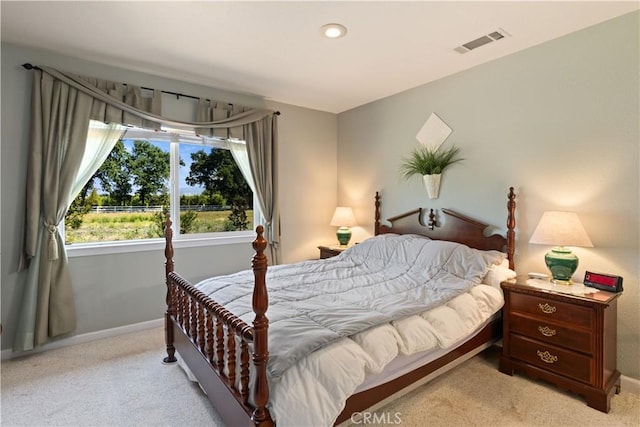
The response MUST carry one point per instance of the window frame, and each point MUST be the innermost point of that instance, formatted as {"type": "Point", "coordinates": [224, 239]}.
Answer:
{"type": "Point", "coordinates": [174, 137]}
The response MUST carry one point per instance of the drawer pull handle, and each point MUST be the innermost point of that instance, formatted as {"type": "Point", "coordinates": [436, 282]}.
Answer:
{"type": "Point", "coordinates": [547, 357]}
{"type": "Point", "coordinates": [546, 331]}
{"type": "Point", "coordinates": [546, 308]}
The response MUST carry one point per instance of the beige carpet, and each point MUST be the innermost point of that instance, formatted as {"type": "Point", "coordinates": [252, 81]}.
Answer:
{"type": "Point", "coordinates": [121, 382]}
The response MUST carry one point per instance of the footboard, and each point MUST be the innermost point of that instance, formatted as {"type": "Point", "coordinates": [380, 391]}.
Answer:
{"type": "Point", "coordinates": [215, 344]}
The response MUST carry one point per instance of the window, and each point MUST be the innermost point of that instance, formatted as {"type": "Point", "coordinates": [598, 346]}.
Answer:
{"type": "Point", "coordinates": [201, 182]}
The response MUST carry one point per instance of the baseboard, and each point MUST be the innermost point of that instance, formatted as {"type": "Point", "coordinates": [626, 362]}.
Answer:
{"type": "Point", "coordinates": [83, 338]}
{"type": "Point", "coordinates": [628, 384]}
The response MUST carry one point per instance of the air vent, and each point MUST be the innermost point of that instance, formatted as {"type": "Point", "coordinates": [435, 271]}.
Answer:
{"type": "Point", "coordinates": [481, 41]}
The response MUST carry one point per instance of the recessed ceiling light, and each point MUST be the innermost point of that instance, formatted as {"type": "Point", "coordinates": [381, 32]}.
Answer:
{"type": "Point", "coordinates": [334, 31]}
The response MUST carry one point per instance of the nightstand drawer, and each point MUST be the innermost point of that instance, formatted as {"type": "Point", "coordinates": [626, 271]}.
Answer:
{"type": "Point", "coordinates": [539, 329]}
{"type": "Point", "coordinates": [555, 310]}
{"type": "Point", "coordinates": [552, 358]}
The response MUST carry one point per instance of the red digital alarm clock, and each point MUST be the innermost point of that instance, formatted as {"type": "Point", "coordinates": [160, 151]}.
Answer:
{"type": "Point", "coordinates": [605, 282]}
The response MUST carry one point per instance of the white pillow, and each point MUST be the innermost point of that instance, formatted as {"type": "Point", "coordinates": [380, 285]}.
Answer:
{"type": "Point", "coordinates": [498, 273]}
{"type": "Point", "coordinates": [488, 299]}
{"type": "Point", "coordinates": [504, 263]}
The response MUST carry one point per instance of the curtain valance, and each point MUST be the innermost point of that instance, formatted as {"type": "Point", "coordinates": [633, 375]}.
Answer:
{"type": "Point", "coordinates": [129, 99]}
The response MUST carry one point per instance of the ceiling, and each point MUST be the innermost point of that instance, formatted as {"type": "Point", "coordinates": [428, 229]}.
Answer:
{"type": "Point", "coordinates": [275, 49]}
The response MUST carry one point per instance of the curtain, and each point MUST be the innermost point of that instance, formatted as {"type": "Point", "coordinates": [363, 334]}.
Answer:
{"type": "Point", "coordinates": [58, 132]}
{"type": "Point", "coordinates": [116, 107]}
{"type": "Point", "coordinates": [261, 140]}
{"type": "Point", "coordinates": [209, 110]}
{"type": "Point", "coordinates": [101, 139]}
{"type": "Point", "coordinates": [62, 105]}
{"type": "Point", "coordinates": [238, 150]}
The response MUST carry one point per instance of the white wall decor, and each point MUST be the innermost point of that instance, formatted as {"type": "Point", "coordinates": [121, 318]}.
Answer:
{"type": "Point", "coordinates": [433, 132]}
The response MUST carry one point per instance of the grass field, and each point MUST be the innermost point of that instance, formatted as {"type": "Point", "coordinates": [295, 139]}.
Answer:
{"type": "Point", "coordinates": [102, 227]}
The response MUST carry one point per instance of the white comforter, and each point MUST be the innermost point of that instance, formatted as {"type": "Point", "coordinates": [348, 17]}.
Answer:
{"type": "Point", "coordinates": [435, 285]}
{"type": "Point", "coordinates": [313, 391]}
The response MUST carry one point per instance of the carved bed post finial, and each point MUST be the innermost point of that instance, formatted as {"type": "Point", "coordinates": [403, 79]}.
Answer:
{"type": "Point", "coordinates": [170, 311]}
{"type": "Point", "coordinates": [260, 330]}
{"type": "Point", "coordinates": [377, 215]}
{"type": "Point", "coordinates": [511, 225]}
{"type": "Point", "coordinates": [432, 220]}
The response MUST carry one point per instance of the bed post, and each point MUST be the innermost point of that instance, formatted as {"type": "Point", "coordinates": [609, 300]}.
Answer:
{"type": "Point", "coordinates": [260, 414]}
{"type": "Point", "coordinates": [511, 225]}
{"type": "Point", "coordinates": [168, 327]}
{"type": "Point", "coordinates": [377, 223]}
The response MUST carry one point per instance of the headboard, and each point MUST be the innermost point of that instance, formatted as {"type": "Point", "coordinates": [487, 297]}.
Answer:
{"type": "Point", "coordinates": [453, 227]}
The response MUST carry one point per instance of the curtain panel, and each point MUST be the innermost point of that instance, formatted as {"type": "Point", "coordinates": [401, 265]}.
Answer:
{"type": "Point", "coordinates": [263, 155]}
{"type": "Point", "coordinates": [59, 131]}
{"type": "Point", "coordinates": [62, 106]}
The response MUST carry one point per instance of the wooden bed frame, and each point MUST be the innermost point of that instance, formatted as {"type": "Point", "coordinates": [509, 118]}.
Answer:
{"type": "Point", "coordinates": [206, 334]}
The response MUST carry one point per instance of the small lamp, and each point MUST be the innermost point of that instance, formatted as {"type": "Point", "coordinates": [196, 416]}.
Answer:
{"type": "Point", "coordinates": [561, 229]}
{"type": "Point", "coordinates": [343, 218]}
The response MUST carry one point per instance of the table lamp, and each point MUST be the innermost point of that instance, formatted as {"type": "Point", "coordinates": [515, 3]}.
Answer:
{"type": "Point", "coordinates": [560, 229]}
{"type": "Point", "coordinates": [343, 218]}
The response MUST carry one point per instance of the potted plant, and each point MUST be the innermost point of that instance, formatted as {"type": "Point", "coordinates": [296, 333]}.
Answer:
{"type": "Point", "coordinates": [430, 163]}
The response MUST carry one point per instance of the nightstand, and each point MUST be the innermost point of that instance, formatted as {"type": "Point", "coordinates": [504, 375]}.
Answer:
{"type": "Point", "coordinates": [567, 340]}
{"type": "Point", "coordinates": [331, 250]}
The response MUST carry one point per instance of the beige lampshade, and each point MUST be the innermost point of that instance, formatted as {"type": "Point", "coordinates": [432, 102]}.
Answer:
{"type": "Point", "coordinates": [560, 229]}
{"type": "Point", "coordinates": [343, 217]}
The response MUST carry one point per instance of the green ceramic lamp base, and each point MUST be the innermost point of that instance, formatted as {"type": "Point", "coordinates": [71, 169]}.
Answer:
{"type": "Point", "coordinates": [344, 235]}
{"type": "Point", "coordinates": [562, 263]}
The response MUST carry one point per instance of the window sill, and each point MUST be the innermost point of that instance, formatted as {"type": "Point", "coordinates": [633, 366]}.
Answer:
{"type": "Point", "coordinates": [107, 248]}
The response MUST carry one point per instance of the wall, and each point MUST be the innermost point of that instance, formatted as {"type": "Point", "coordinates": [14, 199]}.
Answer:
{"type": "Point", "coordinates": [122, 289]}
{"type": "Point", "coordinates": [559, 122]}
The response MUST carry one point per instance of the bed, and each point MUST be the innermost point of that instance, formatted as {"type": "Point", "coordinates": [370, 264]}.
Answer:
{"type": "Point", "coordinates": [311, 363]}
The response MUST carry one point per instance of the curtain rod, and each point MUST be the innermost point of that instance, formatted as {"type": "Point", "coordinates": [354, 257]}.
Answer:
{"type": "Point", "coordinates": [178, 95]}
